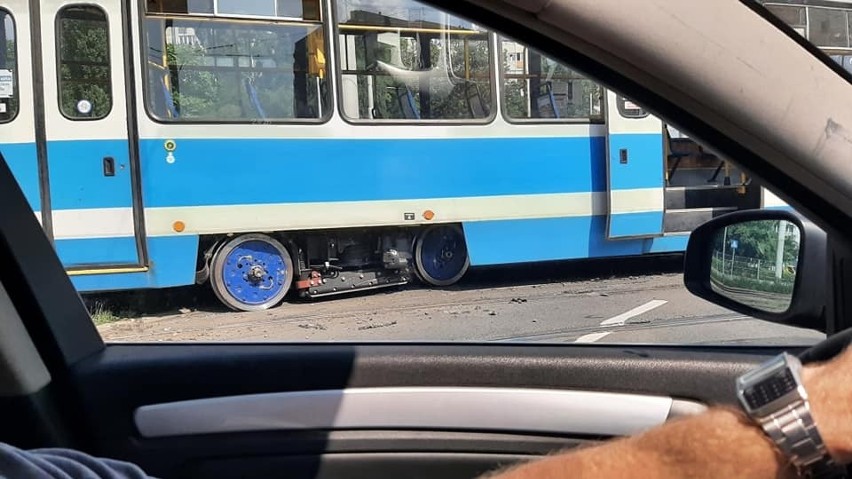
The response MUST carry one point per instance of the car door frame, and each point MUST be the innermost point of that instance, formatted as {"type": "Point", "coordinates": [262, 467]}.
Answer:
{"type": "Point", "coordinates": [79, 362]}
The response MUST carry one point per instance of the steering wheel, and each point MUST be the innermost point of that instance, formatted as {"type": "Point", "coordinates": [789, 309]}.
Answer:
{"type": "Point", "coordinates": [825, 350]}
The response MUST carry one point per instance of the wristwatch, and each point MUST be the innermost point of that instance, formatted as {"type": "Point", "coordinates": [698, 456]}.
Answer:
{"type": "Point", "coordinates": [774, 396]}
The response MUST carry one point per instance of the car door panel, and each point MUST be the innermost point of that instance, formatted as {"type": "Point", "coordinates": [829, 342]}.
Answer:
{"type": "Point", "coordinates": [358, 466]}
{"type": "Point", "coordinates": [120, 387]}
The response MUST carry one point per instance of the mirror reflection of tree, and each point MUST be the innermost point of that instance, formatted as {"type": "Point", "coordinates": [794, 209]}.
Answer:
{"type": "Point", "coordinates": [757, 255]}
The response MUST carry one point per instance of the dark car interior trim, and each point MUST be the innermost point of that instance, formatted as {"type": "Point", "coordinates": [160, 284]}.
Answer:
{"type": "Point", "coordinates": [112, 385]}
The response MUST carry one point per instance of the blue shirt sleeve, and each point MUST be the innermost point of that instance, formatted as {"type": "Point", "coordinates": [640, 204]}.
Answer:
{"type": "Point", "coordinates": [62, 464]}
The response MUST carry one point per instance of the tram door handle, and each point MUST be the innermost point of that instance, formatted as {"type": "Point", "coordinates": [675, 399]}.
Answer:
{"type": "Point", "coordinates": [109, 166]}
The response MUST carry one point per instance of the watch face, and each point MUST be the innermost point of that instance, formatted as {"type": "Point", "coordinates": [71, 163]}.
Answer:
{"type": "Point", "coordinates": [770, 389]}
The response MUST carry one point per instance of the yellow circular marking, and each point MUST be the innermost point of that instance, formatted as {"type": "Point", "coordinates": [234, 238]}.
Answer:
{"type": "Point", "coordinates": [170, 145]}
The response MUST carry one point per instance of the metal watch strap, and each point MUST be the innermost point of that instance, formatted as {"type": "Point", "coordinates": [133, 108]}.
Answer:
{"type": "Point", "coordinates": [794, 431]}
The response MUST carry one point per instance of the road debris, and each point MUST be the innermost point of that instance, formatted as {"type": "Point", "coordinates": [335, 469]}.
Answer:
{"type": "Point", "coordinates": [313, 326]}
{"type": "Point", "coordinates": [376, 326]}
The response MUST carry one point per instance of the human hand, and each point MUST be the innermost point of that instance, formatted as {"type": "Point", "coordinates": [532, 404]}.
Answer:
{"type": "Point", "coordinates": [829, 387]}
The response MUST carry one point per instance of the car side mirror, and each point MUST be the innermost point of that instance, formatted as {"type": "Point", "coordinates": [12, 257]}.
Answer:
{"type": "Point", "coordinates": [768, 264]}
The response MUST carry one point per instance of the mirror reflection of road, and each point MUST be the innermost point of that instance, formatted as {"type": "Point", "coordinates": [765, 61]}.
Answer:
{"type": "Point", "coordinates": [762, 300]}
{"type": "Point", "coordinates": [643, 302]}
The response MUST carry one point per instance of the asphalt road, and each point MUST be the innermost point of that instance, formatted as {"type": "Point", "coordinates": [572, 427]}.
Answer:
{"type": "Point", "coordinates": [624, 301]}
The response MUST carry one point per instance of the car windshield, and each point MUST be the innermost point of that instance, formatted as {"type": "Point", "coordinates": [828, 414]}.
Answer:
{"type": "Point", "coordinates": [374, 170]}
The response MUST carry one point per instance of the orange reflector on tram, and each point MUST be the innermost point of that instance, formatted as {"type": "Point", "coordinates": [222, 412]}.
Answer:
{"type": "Point", "coordinates": [428, 215]}
{"type": "Point", "coordinates": [178, 226]}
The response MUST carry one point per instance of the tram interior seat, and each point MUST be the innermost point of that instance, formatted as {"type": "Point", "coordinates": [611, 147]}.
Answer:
{"type": "Point", "coordinates": [675, 156]}
{"type": "Point", "coordinates": [478, 108]}
{"type": "Point", "coordinates": [253, 98]}
{"type": "Point", "coordinates": [169, 99]}
{"type": "Point", "coordinates": [407, 104]}
{"type": "Point", "coordinates": [546, 102]}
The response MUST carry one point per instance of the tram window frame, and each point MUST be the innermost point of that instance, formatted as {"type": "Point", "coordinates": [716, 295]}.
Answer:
{"type": "Point", "coordinates": [338, 74]}
{"type": "Point", "coordinates": [804, 24]}
{"type": "Point", "coordinates": [828, 11]}
{"type": "Point", "coordinates": [59, 60]}
{"type": "Point", "coordinates": [327, 100]}
{"type": "Point", "coordinates": [587, 120]}
{"type": "Point", "coordinates": [779, 9]}
{"type": "Point", "coordinates": [15, 99]}
{"type": "Point", "coordinates": [213, 9]}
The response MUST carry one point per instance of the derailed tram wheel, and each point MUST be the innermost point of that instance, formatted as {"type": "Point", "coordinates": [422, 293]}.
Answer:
{"type": "Point", "coordinates": [251, 272]}
{"type": "Point", "coordinates": [440, 255]}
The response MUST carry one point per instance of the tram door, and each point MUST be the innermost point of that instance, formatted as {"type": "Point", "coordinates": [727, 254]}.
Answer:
{"type": "Point", "coordinates": [635, 170]}
{"type": "Point", "coordinates": [90, 172]}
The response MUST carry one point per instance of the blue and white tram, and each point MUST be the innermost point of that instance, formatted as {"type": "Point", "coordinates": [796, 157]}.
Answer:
{"type": "Point", "coordinates": [323, 147]}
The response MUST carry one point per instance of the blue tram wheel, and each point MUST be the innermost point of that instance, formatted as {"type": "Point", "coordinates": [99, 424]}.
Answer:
{"type": "Point", "coordinates": [251, 272]}
{"type": "Point", "coordinates": [440, 255]}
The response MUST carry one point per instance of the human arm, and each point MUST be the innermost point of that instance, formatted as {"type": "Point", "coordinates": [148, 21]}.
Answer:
{"type": "Point", "coordinates": [62, 463]}
{"type": "Point", "coordinates": [722, 442]}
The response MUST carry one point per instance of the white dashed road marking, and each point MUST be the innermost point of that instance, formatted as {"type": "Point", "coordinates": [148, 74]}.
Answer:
{"type": "Point", "coordinates": [620, 320]}
{"type": "Point", "coordinates": [623, 317]}
{"type": "Point", "coordinates": [591, 338]}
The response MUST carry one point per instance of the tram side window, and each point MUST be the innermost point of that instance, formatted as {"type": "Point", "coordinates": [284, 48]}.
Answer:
{"type": "Point", "coordinates": [403, 60]}
{"type": "Point", "coordinates": [8, 68]}
{"type": "Point", "coordinates": [538, 87]}
{"type": "Point", "coordinates": [828, 27]}
{"type": "Point", "coordinates": [85, 81]}
{"type": "Point", "coordinates": [222, 70]}
{"type": "Point", "coordinates": [793, 15]}
{"type": "Point", "coordinates": [297, 9]}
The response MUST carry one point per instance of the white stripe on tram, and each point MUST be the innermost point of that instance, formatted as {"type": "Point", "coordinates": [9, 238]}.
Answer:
{"type": "Point", "coordinates": [118, 222]}
{"type": "Point", "coordinates": [301, 216]}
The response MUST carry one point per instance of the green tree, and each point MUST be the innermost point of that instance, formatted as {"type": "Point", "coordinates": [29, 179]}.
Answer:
{"type": "Point", "coordinates": [471, 74]}
{"type": "Point", "coordinates": [515, 97]}
{"type": "Point", "coordinates": [759, 240]}
{"type": "Point", "coordinates": [194, 90]}
{"type": "Point", "coordinates": [584, 92]}
{"type": "Point", "coordinates": [84, 63]}
{"type": "Point", "coordinates": [216, 70]}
